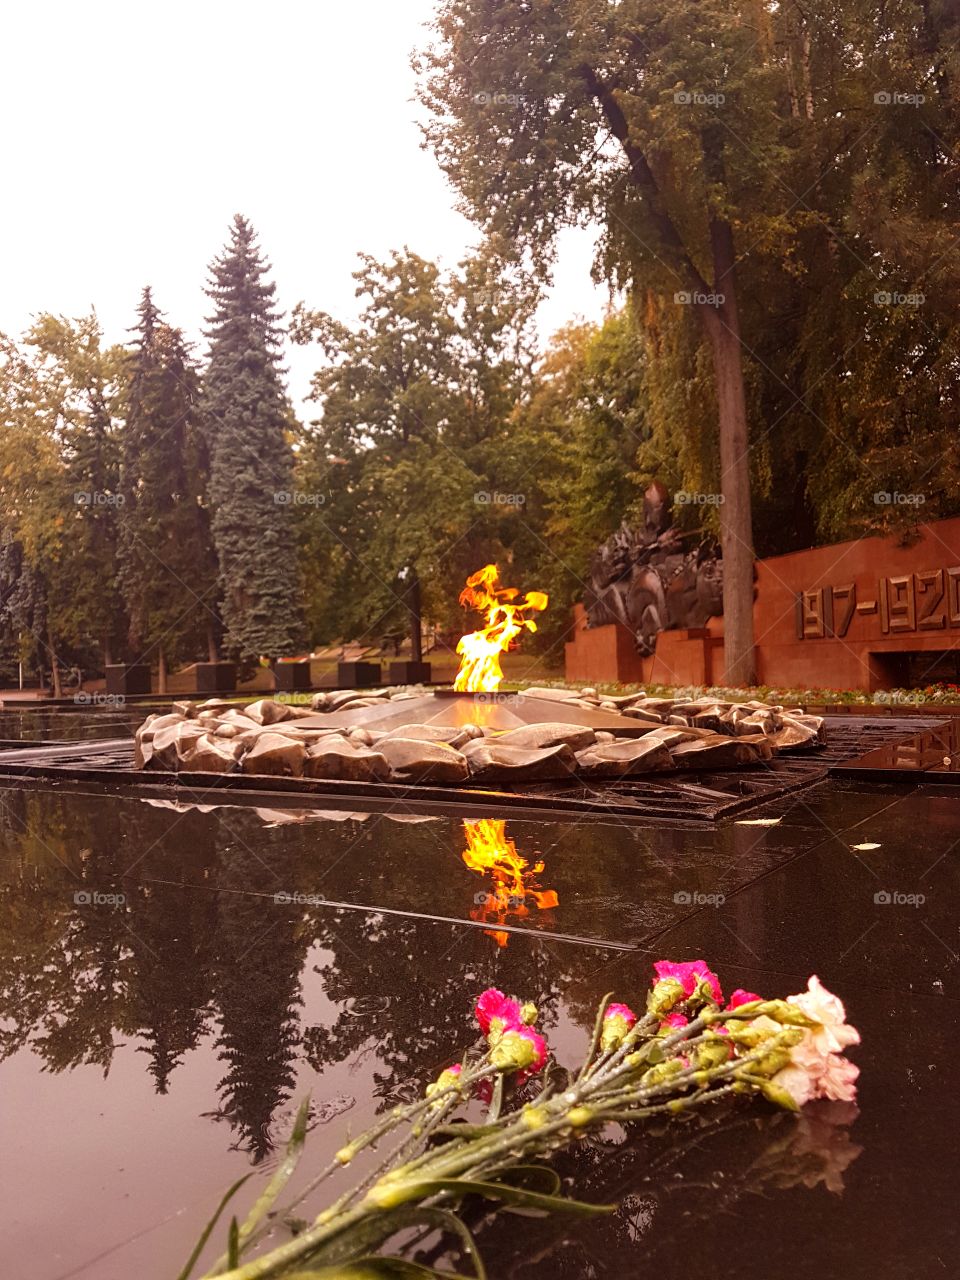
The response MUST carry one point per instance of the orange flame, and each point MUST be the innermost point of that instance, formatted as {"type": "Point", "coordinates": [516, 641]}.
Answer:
{"type": "Point", "coordinates": [491, 852]}
{"type": "Point", "coordinates": [480, 650]}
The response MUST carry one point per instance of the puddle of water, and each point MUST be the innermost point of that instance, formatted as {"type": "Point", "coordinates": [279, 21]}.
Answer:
{"type": "Point", "coordinates": [174, 979]}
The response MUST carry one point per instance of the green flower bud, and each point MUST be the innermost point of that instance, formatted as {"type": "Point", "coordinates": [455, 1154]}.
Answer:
{"type": "Point", "coordinates": [778, 1095]}
{"type": "Point", "coordinates": [666, 993]}
{"type": "Point", "coordinates": [579, 1117]}
{"type": "Point", "coordinates": [714, 1053]}
{"type": "Point", "coordinates": [771, 1063]}
{"type": "Point", "coordinates": [533, 1117]}
{"type": "Point", "coordinates": [512, 1052]}
{"type": "Point", "coordinates": [782, 1011]}
{"type": "Point", "coordinates": [661, 1073]}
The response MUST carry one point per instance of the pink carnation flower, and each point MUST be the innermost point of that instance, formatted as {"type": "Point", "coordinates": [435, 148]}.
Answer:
{"type": "Point", "coordinates": [797, 1083]}
{"type": "Point", "coordinates": [539, 1046]}
{"type": "Point", "coordinates": [621, 1011]}
{"type": "Point", "coordinates": [740, 997]}
{"type": "Point", "coordinates": [618, 1019]}
{"type": "Point", "coordinates": [497, 1012]}
{"type": "Point", "coordinates": [818, 1068]}
{"type": "Point", "coordinates": [689, 973]}
{"type": "Point", "coordinates": [814, 1075]}
{"type": "Point", "coordinates": [833, 1033]}
{"type": "Point", "coordinates": [838, 1079]}
{"type": "Point", "coordinates": [520, 1049]}
{"type": "Point", "coordinates": [673, 1021]}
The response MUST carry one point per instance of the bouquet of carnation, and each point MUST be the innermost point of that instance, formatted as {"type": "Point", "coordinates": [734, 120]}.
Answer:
{"type": "Point", "coordinates": [687, 1048]}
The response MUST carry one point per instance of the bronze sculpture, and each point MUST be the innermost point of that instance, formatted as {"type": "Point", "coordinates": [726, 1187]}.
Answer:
{"type": "Point", "coordinates": [650, 579]}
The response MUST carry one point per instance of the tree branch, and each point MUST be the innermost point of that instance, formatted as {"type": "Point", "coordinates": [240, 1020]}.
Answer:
{"type": "Point", "coordinates": [642, 176]}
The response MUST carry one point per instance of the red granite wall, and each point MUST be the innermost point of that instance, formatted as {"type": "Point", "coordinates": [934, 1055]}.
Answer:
{"type": "Point", "coordinates": [837, 617]}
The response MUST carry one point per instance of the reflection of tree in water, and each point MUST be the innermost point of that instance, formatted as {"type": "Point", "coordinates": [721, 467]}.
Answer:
{"type": "Point", "coordinates": [173, 960]}
{"type": "Point", "coordinates": [159, 965]}
{"type": "Point", "coordinates": [259, 954]}
{"type": "Point", "coordinates": [65, 970]}
{"type": "Point", "coordinates": [171, 937]}
{"type": "Point", "coordinates": [408, 987]}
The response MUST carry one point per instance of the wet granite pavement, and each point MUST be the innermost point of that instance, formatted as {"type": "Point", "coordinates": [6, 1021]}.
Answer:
{"type": "Point", "coordinates": [173, 980]}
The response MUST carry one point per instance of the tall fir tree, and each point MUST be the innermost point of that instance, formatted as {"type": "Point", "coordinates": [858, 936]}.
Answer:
{"type": "Point", "coordinates": [167, 565]}
{"type": "Point", "coordinates": [251, 460]}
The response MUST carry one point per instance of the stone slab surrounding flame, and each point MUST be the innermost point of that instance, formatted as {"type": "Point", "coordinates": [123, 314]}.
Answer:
{"type": "Point", "coordinates": [551, 734]}
{"type": "Point", "coordinates": [416, 736]}
{"type": "Point", "coordinates": [413, 761]}
{"type": "Point", "coordinates": [490, 758]}
{"type": "Point", "coordinates": [625, 758]}
{"type": "Point", "coordinates": [336, 757]}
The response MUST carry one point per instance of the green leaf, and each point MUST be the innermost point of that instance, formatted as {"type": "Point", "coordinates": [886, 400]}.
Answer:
{"type": "Point", "coordinates": [444, 1220]}
{"type": "Point", "coordinates": [496, 1101]}
{"type": "Point", "coordinates": [281, 1177]}
{"type": "Point", "coordinates": [532, 1177]}
{"type": "Point", "coordinates": [233, 1245]}
{"type": "Point", "coordinates": [371, 1234]}
{"type": "Point", "coordinates": [499, 1191]}
{"type": "Point", "coordinates": [205, 1234]}
{"type": "Point", "coordinates": [282, 1174]}
{"type": "Point", "coordinates": [375, 1269]}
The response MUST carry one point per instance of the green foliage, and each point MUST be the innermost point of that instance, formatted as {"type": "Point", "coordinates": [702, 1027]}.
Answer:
{"type": "Point", "coordinates": [579, 436]}
{"type": "Point", "coordinates": [60, 484]}
{"type": "Point", "coordinates": [835, 192]}
{"type": "Point", "coordinates": [167, 568]}
{"type": "Point", "coordinates": [414, 442]}
{"type": "Point", "coordinates": [250, 422]}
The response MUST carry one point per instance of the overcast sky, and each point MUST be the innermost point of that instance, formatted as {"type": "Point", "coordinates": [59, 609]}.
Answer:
{"type": "Point", "coordinates": [134, 132]}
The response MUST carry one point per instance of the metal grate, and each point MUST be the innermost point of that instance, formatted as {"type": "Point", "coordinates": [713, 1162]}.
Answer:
{"type": "Point", "coordinates": [686, 798]}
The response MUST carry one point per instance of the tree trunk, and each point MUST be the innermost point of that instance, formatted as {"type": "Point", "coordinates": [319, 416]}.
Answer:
{"type": "Point", "coordinates": [161, 671]}
{"type": "Point", "coordinates": [736, 535]}
{"type": "Point", "coordinates": [54, 668]}
{"type": "Point", "coordinates": [722, 326]}
{"type": "Point", "coordinates": [213, 653]}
